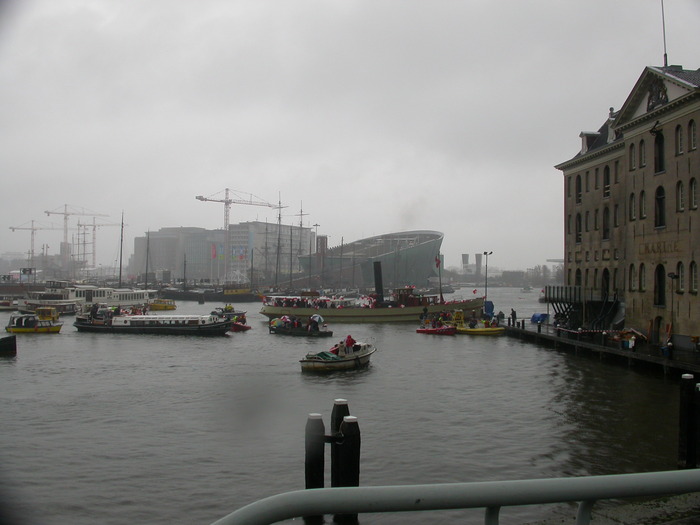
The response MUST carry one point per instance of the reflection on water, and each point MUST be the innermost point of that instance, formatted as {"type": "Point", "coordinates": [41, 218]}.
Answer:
{"type": "Point", "coordinates": [114, 429]}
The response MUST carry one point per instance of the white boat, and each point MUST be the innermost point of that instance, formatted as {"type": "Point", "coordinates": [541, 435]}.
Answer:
{"type": "Point", "coordinates": [107, 320]}
{"type": "Point", "coordinates": [70, 298]}
{"type": "Point", "coordinates": [339, 357]}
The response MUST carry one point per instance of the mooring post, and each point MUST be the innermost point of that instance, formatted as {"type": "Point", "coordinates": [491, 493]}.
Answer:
{"type": "Point", "coordinates": [340, 410]}
{"type": "Point", "coordinates": [694, 430]}
{"type": "Point", "coordinates": [348, 461]}
{"type": "Point", "coordinates": [686, 425]}
{"type": "Point", "coordinates": [314, 461]}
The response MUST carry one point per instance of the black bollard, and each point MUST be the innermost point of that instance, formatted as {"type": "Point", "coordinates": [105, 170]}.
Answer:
{"type": "Point", "coordinates": [340, 410]}
{"type": "Point", "coordinates": [314, 460]}
{"type": "Point", "coordinates": [686, 425]}
{"type": "Point", "coordinates": [348, 461]}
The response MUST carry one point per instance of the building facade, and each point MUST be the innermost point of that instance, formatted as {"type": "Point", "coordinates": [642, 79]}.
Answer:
{"type": "Point", "coordinates": [632, 224]}
{"type": "Point", "coordinates": [265, 252]}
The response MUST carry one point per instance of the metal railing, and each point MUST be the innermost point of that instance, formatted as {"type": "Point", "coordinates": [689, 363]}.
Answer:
{"type": "Point", "coordinates": [491, 496]}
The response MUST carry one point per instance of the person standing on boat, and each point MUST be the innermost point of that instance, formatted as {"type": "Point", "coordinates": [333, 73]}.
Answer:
{"type": "Point", "coordinates": [513, 316]}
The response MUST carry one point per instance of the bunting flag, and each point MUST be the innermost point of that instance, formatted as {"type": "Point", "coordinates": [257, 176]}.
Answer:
{"type": "Point", "coordinates": [474, 291]}
{"type": "Point", "coordinates": [437, 261]}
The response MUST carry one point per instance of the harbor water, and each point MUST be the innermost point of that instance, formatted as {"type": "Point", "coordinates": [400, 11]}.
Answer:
{"type": "Point", "coordinates": [117, 429]}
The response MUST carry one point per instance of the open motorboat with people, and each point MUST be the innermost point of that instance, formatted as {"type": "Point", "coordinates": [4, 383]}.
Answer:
{"type": "Point", "coordinates": [474, 326]}
{"type": "Point", "coordinates": [104, 319]}
{"type": "Point", "coordinates": [437, 330]}
{"type": "Point", "coordinates": [348, 354]}
{"type": "Point", "coordinates": [314, 327]}
{"type": "Point", "coordinates": [32, 324]}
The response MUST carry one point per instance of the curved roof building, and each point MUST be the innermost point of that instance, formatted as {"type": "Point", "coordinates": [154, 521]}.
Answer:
{"type": "Point", "coordinates": [408, 258]}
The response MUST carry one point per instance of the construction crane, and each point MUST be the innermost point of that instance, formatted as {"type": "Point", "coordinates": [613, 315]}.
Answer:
{"type": "Point", "coordinates": [33, 228]}
{"type": "Point", "coordinates": [65, 251]}
{"type": "Point", "coordinates": [227, 201]}
{"type": "Point", "coordinates": [95, 225]}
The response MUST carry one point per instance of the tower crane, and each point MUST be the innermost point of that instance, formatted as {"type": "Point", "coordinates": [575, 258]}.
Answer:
{"type": "Point", "coordinates": [65, 251]}
{"type": "Point", "coordinates": [95, 225]}
{"type": "Point", "coordinates": [33, 229]}
{"type": "Point", "coordinates": [249, 200]}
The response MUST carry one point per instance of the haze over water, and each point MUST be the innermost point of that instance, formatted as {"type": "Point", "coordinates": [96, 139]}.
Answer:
{"type": "Point", "coordinates": [114, 429]}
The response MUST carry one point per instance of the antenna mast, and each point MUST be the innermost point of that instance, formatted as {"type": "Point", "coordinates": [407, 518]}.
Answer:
{"type": "Point", "coordinates": [663, 24]}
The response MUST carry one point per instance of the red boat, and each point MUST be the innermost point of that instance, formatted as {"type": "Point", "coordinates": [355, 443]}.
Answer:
{"type": "Point", "coordinates": [441, 330]}
{"type": "Point", "coordinates": [239, 327]}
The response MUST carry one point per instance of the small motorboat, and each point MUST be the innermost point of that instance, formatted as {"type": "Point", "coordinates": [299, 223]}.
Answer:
{"type": "Point", "coordinates": [481, 330]}
{"type": "Point", "coordinates": [342, 356]}
{"type": "Point", "coordinates": [475, 327]}
{"type": "Point", "coordinates": [438, 330]}
{"type": "Point", "coordinates": [238, 326]}
{"type": "Point", "coordinates": [32, 324]}
{"type": "Point", "coordinates": [286, 325]}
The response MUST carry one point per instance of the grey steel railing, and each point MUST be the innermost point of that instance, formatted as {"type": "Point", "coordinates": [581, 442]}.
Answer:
{"type": "Point", "coordinates": [490, 495]}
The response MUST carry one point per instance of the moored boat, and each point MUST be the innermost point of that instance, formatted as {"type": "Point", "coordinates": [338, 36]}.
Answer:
{"type": "Point", "coordinates": [482, 330]}
{"type": "Point", "coordinates": [438, 330]}
{"type": "Point", "coordinates": [476, 327]}
{"type": "Point", "coordinates": [107, 320]}
{"type": "Point", "coordinates": [405, 306]}
{"type": "Point", "coordinates": [8, 303]}
{"type": "Point", "coordinates": [341, 356]}
{"type": "Point", "coordinates": [31, 324]}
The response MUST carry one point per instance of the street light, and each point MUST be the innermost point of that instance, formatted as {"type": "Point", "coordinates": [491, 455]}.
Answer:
{"type": "Point", "coordinates": [486, 274]}
{"type": "Point", "coordinates": [673, 276]}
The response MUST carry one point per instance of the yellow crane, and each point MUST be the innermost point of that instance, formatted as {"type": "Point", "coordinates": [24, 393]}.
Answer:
{"type": "Point", "coordinates": [227, 201]}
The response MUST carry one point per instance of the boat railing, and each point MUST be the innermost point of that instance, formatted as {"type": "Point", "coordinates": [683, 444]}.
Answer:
{"type": "Point", "coordinates": [489, 495]}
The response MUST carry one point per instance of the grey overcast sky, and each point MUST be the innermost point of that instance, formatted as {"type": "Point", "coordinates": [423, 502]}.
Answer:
{"type": "Point", "coordinates": [374, 115]}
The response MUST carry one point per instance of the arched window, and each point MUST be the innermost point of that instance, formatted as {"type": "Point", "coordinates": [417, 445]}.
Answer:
{"type": "Point", "coordinates": [680, 272]}
{"type": "Point", "coordinates": [642, 205]}
{"type": "Point", "coordinates": [659, 157]}
{"type": "Point", "coordinates": [679, 140]}
{"type": "Point", "coordinates": [633, 157]}
{"type": "Point", "coordinates": [596, 219]}
{"type": "Point", "coordinates": [680, 197]}
{"type": "Point", "coordinates": [693, 194]}
{"type": "Point", "coordinates": [616, 215]}
{"type": "Point", "coordinates": [660, 208]}
{"type": "Point", "coordinates": [633, 207]}
{"type": "Point", "coordinates": [568, 225]}
{"type": "Point", "coordinates": [605, 281]}
{"type": "Point", "coordinates": [632, 279]}
{"type": "Point", "coordinates": [585, 279]}
{"type": "Point", "coordinates": [642, 278]}
{"type": "Point", "coordinates": [587, 222]}
{"type": "Point", "coordinates": [578, 189]}
{"type": "Point", "coordinates": [692, 135]}
{"type": "Point", "coordinates": [606, 223]}
{"type": "Point", "coordinates": [578, 228]}
{"type": "Point", "coordinates": [693, 277]}
{"type": "Point", "coordinates": [642, 154]}
{"type": "Point", "coordinates": [606, 182]}
{"type": "Point", "coordinates": [660, 286]}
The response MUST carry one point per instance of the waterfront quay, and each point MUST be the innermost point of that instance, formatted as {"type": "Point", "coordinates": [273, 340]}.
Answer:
{"type": "Point", "coordinates": [604, 345]}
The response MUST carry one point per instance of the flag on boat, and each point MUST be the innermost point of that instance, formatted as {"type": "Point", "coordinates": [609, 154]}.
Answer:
{"type": "Point", "coordinates": [437, 261]}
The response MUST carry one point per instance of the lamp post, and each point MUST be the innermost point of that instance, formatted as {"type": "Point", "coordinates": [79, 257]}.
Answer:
{"type": "Point", "coordinates": [674, 277]}
{"type": "Point", "coordinates": [486, 277]}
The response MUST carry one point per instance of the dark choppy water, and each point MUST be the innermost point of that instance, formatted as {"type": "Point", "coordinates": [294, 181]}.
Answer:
{"type": "Point", "coordinates": [146, 429]}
